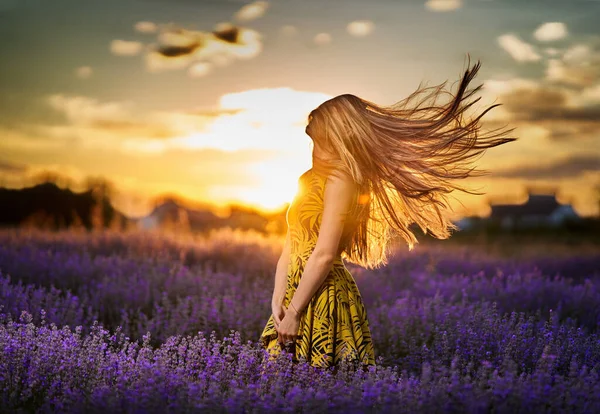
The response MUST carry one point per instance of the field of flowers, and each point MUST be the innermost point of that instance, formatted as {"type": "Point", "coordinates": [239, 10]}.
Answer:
{"type": "Point", "coordinates": [141, 322]}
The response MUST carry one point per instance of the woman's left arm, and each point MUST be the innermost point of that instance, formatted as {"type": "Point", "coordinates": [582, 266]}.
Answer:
{"type": "Point", "coordinates": [337, 203]}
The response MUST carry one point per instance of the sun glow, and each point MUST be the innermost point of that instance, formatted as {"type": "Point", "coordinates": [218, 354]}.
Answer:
{"type": "Point", "coordinates": [279, 184]}
{"type": "Point", "coordinates": [272, 120]}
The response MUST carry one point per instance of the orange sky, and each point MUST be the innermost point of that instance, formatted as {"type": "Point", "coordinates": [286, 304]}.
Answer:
{"type": "Point", "coordinates": [210, 101]}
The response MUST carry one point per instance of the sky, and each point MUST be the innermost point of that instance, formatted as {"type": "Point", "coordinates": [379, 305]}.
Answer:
{"type": "Point", "coordinates": [208, 99]}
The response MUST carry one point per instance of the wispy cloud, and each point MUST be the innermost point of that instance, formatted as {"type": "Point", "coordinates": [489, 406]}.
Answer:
{"type": "Point", "coordinates": [565, 103]}
{"type": "Point", "coordinates": [544, 103]}
{"type": "Point", "coordinates": [179, 48]}
{"type": "Point", "coordinates": [568, 167]}
{"type": "Point", "coordinates": [249, 119]}
{"type": "Point", "coordinates": [146, 27]}
{"type": "Point", "coordinates": [520, 51]}
{"type": "Point", "coordinates": [81, 109]}
{"type": "Point", "coordinates": [12, 167]}
{"type": "Point", "coordinates": [125, 47]}
{"type": "Point", "coordinates": [579, 66]}
{"type": "Point", "coordinates": [561, 72]}
{"type": "Point", "coordinates": [360, 28]}
{"type": "Point", "coordinates": [548, 32]}
{"type": "Point", "coordinates": [95, 124]}
{"type": "Point", "coordinates": [443, 5]}
{"type": "Point", "coordinates": [199, 69]}
{"type": "Point", "coordinates": [566, 114]}
{"type": "Point", "coordinates": [226, 152]}
{"type": "Point", "coordinates": [251, 11]}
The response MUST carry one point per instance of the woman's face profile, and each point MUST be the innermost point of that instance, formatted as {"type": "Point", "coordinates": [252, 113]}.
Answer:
{"type": "Point", "coordinates": [318, 148]}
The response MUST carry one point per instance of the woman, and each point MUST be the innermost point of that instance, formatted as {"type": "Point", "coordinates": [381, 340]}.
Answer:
{"type": "Point", "coordinates": [375, 170]}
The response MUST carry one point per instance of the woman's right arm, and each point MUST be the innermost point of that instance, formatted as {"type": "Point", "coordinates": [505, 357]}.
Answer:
{"type": "Point", "coordinates": [281, 271]}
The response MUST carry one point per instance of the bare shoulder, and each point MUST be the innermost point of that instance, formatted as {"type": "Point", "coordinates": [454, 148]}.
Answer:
{"type": "Point", "coordinates": [341, 180]}
{"type": "Point", "coordinates": [340, 190]}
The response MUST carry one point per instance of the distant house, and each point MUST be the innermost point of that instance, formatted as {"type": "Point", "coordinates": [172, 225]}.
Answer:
{"type": "Point", "coordinates": [170, 214]}
{"type": "Point", "coordinates": [467, 223]}
{"type": "Point", "coordinates": [173, 215]}
{"type": "Point", "coordinates": [538, 210]}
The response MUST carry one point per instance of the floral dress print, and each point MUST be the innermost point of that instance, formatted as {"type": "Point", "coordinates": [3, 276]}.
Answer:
{"type": "Point", "coordinates": [334, 325]}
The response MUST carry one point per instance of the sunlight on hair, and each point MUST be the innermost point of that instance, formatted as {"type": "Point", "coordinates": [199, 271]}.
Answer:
{"type": "Point", "coordinates": [406, 157]}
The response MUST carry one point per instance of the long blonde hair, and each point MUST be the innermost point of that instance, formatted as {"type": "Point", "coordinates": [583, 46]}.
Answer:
{"type": "Point", "coordinates": [403, 157]}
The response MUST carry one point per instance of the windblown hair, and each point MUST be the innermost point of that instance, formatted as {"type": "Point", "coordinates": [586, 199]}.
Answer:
{"type": "Point", "coordinates": [403, 157]}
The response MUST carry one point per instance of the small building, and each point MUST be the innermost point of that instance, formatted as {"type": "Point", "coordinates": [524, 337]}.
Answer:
{"type": "Point", "coordinates": [467, 223]}
{"type": "Point", "coordinates": [540, 210]}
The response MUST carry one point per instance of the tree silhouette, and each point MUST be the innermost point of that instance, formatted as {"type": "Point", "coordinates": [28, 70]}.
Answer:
{"type": "Point", "coordinates": [101, 190]}
{"type": "Point", "coordinates": [597, 191]}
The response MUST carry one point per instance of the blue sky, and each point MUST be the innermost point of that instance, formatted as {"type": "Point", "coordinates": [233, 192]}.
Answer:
{"type": "Point", "coordinates": [82, 92]}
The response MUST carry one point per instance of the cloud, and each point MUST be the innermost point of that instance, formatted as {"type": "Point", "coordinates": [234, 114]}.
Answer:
{"type": "Point", "coordinates": [568, 167]}
{"type": "Point", "coordinates": [179, 48]}
{"type": "Point", "coordinates": [360, 28]}
{"type": "Point", "coordinates": [542, 102]}
{"type": "Point", "coordinates": [214, 112]}
{"type": "Point", "coordinates": [174, 36]}
{"type": "Point", "coordinates": [258, 119]}
{"type": "Point", "coordinates": [548, 105]}
{"type": "Point", "coordinates": [288, 30]}
{"type": "Point", "coordinates": [322, 39]}
{"type": "Point", "coordinates": [134, 128]}
{"type": "Point", "coordinates": [146, 27]}
{"type": "Point", "coordinates": [565, 113]}
{"type": "Point", "coordinates": [520, 51]}
{"type": "Point", "coordinates": [551, 31]}
{"type": "Point", "coordinates": [251, 11]}
{"type": "Point", "coordinates": [12, 167]}
{"type": "Point", "coordinates": [157, 62]}
{"type": "Point", "coordinates": [83, 72]}
{"type": "Point", "coordinates": [200, 69]}
{"type": "Point", "coordinates": [591, 95]}
{"type": "Point", "coordinates": [250, 146]}
{"type": "Point", "coordinates": [115, 124]}
{"type": "Point", "coordinates": [125, 47]}
{"type": "Point", "coordinates": [251, 119]}
{"type": "Point", "coordinates": [81, 109]}
{"type": "Point", "coordinates": [443, 5]}
{"type": "Point", "coordinates": [579, 66]}
{"type": "Point", "coordinates": [194, 172]}
{"type": "Point", "coordinates": [561, 72]}
{"type": "Point", "coordinates": [27, 137]}
{"type": "Point", "coordinates": [578, 54]}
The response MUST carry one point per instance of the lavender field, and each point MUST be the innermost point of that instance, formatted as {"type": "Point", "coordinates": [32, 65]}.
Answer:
{"type": "Point", "coordinates": [140, 322]}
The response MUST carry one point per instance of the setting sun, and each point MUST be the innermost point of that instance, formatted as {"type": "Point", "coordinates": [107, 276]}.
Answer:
{"type": "Point", "coordinates": [212, 106]}
{"type": "Point", "coordinates": [268, 121]}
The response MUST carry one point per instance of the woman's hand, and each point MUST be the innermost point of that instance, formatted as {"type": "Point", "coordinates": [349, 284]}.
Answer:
{"type": "Point", "coordinates": [288, 328]}
{"type": "Point", "coordinates": [278, 312]}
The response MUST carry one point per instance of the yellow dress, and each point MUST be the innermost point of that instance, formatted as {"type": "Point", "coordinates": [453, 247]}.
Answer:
{"type": "Point", "coordinates": [334, 324]}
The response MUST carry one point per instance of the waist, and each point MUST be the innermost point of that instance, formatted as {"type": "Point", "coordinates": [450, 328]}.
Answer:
{"type": "Point", "coordinates": [303, 256]}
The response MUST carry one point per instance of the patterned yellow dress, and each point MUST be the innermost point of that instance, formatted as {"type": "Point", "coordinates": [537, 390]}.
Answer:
{"type": "Point", "coordinates": [334, 325]}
